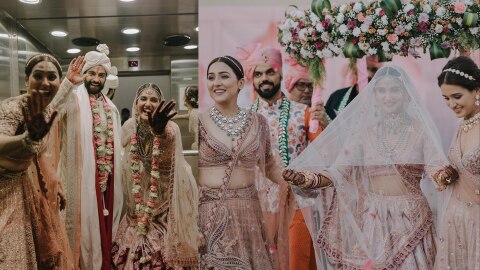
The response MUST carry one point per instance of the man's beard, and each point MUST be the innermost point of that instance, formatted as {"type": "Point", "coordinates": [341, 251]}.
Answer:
{"type": "Point", "coordinates": [93, 91]}
{"type": "Point", "coordinates": [267, 94]}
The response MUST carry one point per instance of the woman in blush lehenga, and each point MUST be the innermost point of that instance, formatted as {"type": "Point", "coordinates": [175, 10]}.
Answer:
{"type": "Point", "coordinates": [459, 237]}
{"type": "Point", "coordinates": [159, 229]}
{"type": "Point", "coordinates": [31, 194]}
{"type": "Point", "coordinates": [375, 154]}
{"type": "Point", "coordinates": [233, 143]}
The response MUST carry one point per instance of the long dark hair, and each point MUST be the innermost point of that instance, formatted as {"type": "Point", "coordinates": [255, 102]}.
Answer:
{"type": "Point", "coordinates": [462, 64]}
{"type": "Point", "coordinates": [232, 63]}
{"type": "Point", "coordinates": [191, 96]}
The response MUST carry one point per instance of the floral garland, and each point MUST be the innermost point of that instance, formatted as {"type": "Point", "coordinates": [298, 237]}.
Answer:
{"type": "Point", "coordinates": [283, 122]}
{"type": "Point", "coordinates": [379, 27]}
{"type": "Point", "coordinates": [144, 211]}
{"type": "Point", "coordinates": [104, 146]}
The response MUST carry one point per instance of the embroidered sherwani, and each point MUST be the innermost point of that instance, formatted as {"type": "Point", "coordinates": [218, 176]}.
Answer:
{"type": "Point", "coordinates": [298, 138]}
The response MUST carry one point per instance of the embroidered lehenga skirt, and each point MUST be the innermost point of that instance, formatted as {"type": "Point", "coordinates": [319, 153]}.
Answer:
{"type": "Point", "coordinates": [17, 247]}
{"type": "Point", "coordinates": [232, 230]}
{"type": "Point", "coordinates": [129, 247]}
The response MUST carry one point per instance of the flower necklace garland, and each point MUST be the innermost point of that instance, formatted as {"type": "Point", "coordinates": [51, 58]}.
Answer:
{"type": "Point", "coordinates": [283, 134]}
{"type": "Point", "coordinates": [144, 211]}
{"type": "Point", "coordinates": [103, 144]}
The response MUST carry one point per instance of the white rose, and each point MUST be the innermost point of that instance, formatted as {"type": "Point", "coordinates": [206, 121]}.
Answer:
{"type": "Point", "coordinates": [319, 27]}
{"type": "Point", "coordinates": [356, 32]}
{"type": "Point", "coordinates": [408, 27]}
{"type": "Point", "coordinates": [440, 11]}
{"type": "Point", "coordinates": [357, 7]}
{"type": "Point", "coordinates": [363, 46]}
{"type": "Point", "coordinates": [327, 53]}
{"type": "Point", "coordinates": [319, 54]}
{"type": "Point", "coordinates": [384, 19]}
{"type": "Point", "coordinates": [408, 7]}
{"type": "Point", "coordinates": [459, 21]}
{"type": "Point", "coordinates": [438, 28]}
{"type": "Point", "coordinates": [427, 8]}
{"type": "Point", "coordinates": [372, 51]}
{"type": "Point", "coordinates": [325, 37]}
{"type": "Point", "coordinates": [341, 42]}
{"type": "Point", "coordinates": [377, 11]}
{"type": "Point", "coordinates": [364, 27]}
{"type": "Point", "coordinates": [382, 32]}
{"type": "Point", "coordinates": [302, 34]}
{"type": "Point", "coordinates": [343, 29]}
{"type": "Point", "coordinates": [286, 37]}
{"type": "Point", "coordinates": [305, 53]}
{"type": "Point", "coordinates": [369, 20]}
{"type": "Point", "coordinates": [343, 8]}
{"type": "Point", "coordinates": [474, 30]}
{"type": "Point", "coordinates": [340, 18]}
{"type": "Point", "coordinates": [310, 30]}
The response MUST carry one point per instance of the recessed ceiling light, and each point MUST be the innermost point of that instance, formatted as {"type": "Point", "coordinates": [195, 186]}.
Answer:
{"type": "Point", "coordinates": [58, 33]}
{"type": "Point", "coordinates": [133, 49]}
{"type": "Point", "coordinates": [3, 35]}
{"type": "Point", "coordinates": [196, 28]}
{"type": "Point", "coordinates": [190, 47]}
{"type": "Point", "coordinates": [130, 31]}
{"type": "Point", "coordinates": [74, 50]}
{"type": "Point", "coordinates": [127, 0]}
{"type": "Point", "coordinates": [31, 1]}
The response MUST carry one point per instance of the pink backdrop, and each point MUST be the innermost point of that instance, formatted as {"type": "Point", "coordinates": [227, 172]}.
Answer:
{"type": "Point", "coordinates": [225, 26]}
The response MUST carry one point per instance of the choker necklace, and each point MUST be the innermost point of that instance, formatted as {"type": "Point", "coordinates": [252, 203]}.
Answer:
{"type": "Point", "coordinates": [234, 125]}
{"type": "Point", "coordinates": [471, 122]}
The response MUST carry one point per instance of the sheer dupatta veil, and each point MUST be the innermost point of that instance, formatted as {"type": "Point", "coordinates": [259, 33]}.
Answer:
{"type": "Point", "coordinates": [376, 151]}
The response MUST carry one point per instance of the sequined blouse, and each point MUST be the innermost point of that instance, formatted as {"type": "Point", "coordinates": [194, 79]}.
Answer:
{"type": "Point", "coordinates": [216, 154]}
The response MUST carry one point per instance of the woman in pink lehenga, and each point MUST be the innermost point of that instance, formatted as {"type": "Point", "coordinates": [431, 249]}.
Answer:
{"type": "Point", "coordinates": [459, 237]}
{"type": "Point", "coordinates": [159, 230]}
{"type": "Point", "coordinates": [31, 196]}
{"type": "Point", "coordinates": [374, 154]}
{"type": "Point", "coordinates": [233, 143]}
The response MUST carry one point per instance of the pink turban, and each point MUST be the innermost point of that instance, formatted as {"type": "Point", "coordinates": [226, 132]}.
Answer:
{"type": "Point", "coordinates": [295, 73]}
{"type": "Point", "coordinates": [98, 58]}
{"type": "Point", "coordinates": [254, 54]}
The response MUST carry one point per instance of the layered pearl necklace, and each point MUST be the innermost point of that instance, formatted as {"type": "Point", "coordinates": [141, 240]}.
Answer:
{"type": "Point", "coordinates": [471, 122]}
{"type": "Point", "coordinates": [234, 125]}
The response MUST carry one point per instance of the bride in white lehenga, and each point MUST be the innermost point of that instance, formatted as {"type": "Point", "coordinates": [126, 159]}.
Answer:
{"type": "Point", "coordinates": [374, 154]}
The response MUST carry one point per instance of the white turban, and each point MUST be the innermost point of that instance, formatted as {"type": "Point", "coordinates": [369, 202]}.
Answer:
{"type": "Point", "coordinates": [98, 58]}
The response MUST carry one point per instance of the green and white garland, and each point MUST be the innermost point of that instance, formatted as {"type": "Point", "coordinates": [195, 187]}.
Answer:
{"type": "Point", "coordinates": [283, 122]}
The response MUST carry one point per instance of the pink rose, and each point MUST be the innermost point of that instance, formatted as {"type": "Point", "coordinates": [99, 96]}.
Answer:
{"type": "Point", "coordinates": [98, 141]}
{"type": "Point", "coordinates": [96, 121]}
{"type": "Point", "coordinates": [459, 7]}
{"type": "Point", "coordinates": [392, 38]}
{"type": "Point", "coordinates": [381, 13]}
{"type": "Point", "coordinates": [151, 203]}
{"type": "Point", "coordinates": [318, 45]}
{"type": "Point", "coordinates": [351, 24]}
{"type": "Point", "coordinates": [361, 17]}
{"type": "Point", "coordinates": [136, 178]}
{"type": "Point", "coordinates": [153, 188]}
